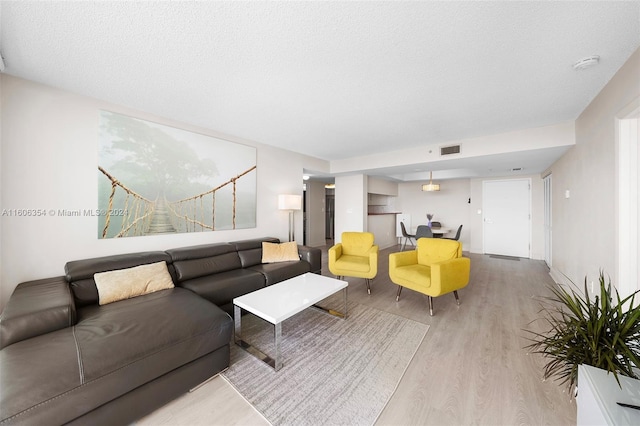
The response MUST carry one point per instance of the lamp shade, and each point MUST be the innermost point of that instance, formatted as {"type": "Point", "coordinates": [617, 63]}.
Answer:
{"type": "Point", "coordinates": [289, 202]}
{"type": "Point", "coordinates": [431, 187]}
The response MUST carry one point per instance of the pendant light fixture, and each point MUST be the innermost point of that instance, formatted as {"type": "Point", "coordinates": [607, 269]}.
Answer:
{"type": "Point", "coordinates": [430, 187]}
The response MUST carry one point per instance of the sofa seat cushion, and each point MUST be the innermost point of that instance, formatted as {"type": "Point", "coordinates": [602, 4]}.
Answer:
{"type": "Point", "coordinates": [276, 272]}
{"type": "Point", "coordinates": [112, 350]}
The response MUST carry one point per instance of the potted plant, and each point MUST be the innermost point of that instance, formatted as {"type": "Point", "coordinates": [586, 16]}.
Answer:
{"type": "Point", "coordinates": [597, 331]}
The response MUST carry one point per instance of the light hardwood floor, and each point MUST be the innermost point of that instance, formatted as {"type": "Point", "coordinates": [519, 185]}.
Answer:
{"type": "Point", "coordinates": [471, 369]}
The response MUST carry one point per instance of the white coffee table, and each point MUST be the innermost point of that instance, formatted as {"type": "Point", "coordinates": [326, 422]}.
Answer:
{"type": "Point", "coordinates": [280, 301]}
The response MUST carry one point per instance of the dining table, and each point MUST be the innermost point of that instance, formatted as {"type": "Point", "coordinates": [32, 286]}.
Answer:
{"type": "Point", "coordinates": [437, 230]}
{"type": "Point", "coordinates": [440, 230]}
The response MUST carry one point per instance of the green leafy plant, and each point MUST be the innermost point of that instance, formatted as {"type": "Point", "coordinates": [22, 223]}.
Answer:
{"type": "Point", "coordinates": [594, 331]}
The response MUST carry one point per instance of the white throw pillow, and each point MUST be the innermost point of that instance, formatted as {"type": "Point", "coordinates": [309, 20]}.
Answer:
{"type": "Point", "coordinates": [131, 282]}
{"type": "Point", "coordinates": [284, 252]}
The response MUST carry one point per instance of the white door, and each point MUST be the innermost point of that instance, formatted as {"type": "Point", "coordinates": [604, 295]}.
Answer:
{"type": "Point", "coordinates": [507, 217]}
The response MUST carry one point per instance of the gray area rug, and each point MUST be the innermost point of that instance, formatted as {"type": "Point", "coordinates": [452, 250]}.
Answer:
{"type": "Point", "coordinates": [335, 372]}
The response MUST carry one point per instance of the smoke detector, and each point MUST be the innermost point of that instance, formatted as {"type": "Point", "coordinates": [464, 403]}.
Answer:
{"type": "Point", "coordinates": [588, 62]}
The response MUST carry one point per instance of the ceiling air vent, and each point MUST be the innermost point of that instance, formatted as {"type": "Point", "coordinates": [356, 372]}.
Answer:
{"type": "Point", "coordinates": [448, 150]}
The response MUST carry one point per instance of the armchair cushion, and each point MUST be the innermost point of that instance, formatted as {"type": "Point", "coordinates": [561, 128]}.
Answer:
{"type": "Point", "coordinates": [415, 275]}
{"type": "Point", "coordinates": [353, 263]}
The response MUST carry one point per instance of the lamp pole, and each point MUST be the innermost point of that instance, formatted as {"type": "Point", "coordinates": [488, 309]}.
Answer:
{"type": "Point", "coordinates": [291, 203]}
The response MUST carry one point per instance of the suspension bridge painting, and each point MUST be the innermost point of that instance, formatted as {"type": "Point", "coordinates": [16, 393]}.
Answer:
{"type": "Point", "coordinates": [156, 179]}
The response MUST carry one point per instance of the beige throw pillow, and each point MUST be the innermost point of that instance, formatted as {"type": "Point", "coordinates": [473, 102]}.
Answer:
{"type": "Point", "coordinates": [131, 282]}
{"type": "Point", "coordinates": [284, 252]}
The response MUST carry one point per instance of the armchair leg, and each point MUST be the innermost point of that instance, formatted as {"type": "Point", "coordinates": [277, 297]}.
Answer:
{"type": "Point", "coordinates": [368, 285]}
{"type": "Point", "coordinates": [430, 305]}
{"type": "Point", "coordinates": [399, 291]}
{"type": "Point", "coordinates": [455, 293]}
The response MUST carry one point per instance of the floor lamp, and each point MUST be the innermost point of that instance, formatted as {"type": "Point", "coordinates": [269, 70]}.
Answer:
{"type": "Point", "coordinates": [291, 203]}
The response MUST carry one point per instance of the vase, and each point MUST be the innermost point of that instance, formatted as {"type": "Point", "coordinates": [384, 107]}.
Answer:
{"type": "Point", "coordinates": [429, 223]}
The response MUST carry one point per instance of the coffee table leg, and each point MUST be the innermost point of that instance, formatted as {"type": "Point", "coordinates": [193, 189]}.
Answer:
{"type": "Point", "coordinates": [345, 303]}
{"type": "Point", "coordinates": [278, 337]}
{"type": "Point", "coordinates": [237, 320]}
{"type": "Point", "coordinates": [333, 312]}
{"type": "Point", "coordinates": [274, 363]}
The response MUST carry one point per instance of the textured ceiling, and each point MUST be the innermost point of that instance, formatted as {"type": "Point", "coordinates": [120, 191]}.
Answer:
{"type": "Point", "coordinates": [328, 79]}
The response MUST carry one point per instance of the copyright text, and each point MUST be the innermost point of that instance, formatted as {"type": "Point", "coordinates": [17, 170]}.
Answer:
{"type": "Point", "coordinates": [62, 212]}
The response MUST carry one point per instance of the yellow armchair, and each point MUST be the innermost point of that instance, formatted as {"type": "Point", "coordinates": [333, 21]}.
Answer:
{"type": "Point", "coordinates": [356, 256]}
{"type": "Point", "coordinates": [434, 268]}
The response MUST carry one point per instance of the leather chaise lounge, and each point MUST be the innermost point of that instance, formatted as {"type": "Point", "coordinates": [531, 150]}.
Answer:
{"type": "Point", "coordinates": [66, 359]}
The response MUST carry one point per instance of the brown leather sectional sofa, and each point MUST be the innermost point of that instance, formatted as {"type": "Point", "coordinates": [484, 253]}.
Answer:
{"type": "Point", "coordinates": [65, 359]}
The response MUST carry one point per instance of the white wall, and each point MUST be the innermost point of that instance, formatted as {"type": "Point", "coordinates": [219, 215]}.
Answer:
{"type": "Point", "coordinates": [49, 161]}
{"type": "Point", "coordinates": [381, 186]}
{"type": "Point", "coordinates": [585, 225]}
{"type": "Point", "coordinates": [351, 205]}
{"type": "Point", "coordinates": [383, 227]}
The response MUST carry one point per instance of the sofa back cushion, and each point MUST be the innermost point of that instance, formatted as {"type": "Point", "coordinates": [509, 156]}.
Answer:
{"type": "Point", "coordinates": [79, 273]}
{"type": "Point", "coordinates": [250, 251]}
{"type": "Point", "coordinates": [197, 261]}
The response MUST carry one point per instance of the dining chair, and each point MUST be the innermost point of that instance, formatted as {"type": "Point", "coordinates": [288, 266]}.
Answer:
{"type": "Point", "coordinates": [457, 237]}
{"type": "Point", "coordinates": [407, 236]}
{"type": "Point", "coordinates": [423, 231]}
{"type": "Point", "coordinates": [436, 225]}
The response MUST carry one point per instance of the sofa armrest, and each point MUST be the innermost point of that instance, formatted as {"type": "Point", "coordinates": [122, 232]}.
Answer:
{"type": "Point", "coordinates": [313, 255]}
{"type": "Point", "coordinates": [35, 308]}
